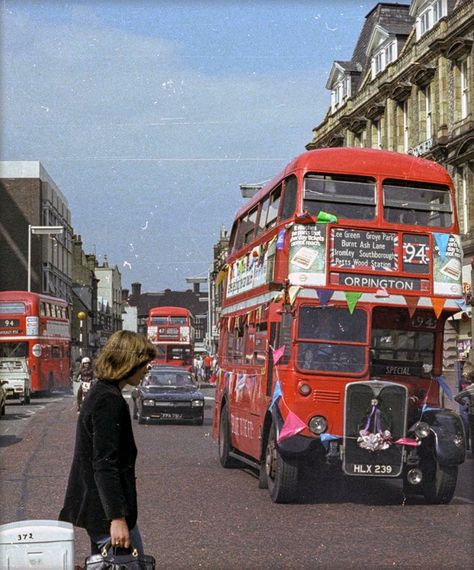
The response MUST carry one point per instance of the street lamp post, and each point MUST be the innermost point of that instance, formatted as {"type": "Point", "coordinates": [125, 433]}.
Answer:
{"type": "Point", "coordinates": [41, 230]}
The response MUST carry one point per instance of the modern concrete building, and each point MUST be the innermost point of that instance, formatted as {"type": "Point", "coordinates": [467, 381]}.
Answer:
{"type": "Point", "coordinates": [29, 196]}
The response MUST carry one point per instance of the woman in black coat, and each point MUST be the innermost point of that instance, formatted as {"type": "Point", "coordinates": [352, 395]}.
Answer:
{"type": "Point", "coordinates": [101, 494]}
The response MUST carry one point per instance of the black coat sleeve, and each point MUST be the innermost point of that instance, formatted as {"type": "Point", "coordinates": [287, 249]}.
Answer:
{"type": "Point", "coordinates": [107, 420]}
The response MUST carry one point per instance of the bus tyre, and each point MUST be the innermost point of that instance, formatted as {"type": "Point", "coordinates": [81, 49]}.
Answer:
{"type": "Point", "coordinates": [224, 440]}
{"type": "Point", "coordinates": [282, 473]}
{"type": "Point", "coordinates": [439, 482]}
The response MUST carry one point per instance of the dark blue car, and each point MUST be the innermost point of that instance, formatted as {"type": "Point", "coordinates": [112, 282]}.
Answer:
{"type": "Point", "coordinates": [168, 393]}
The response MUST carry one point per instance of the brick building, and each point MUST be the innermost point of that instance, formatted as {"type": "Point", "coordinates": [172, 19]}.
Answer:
{"type": "Point", "coordinates": [29, 196]}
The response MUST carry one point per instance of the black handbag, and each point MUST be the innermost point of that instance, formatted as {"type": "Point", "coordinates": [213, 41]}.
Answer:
{"type": "Point", "coordinates": [108, 560]}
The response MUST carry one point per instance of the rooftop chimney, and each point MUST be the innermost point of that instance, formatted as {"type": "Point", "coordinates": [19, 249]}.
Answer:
{"type": "Point", "coordinates": [136, 289]}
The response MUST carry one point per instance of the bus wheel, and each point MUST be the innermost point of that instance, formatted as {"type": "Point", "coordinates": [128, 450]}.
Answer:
{"type": "Point", "coordinates": [282, 473]}
{"type": "Point", "coordinates": [224, 440]}
{"type": "Point", "coordinates": [439, 482]}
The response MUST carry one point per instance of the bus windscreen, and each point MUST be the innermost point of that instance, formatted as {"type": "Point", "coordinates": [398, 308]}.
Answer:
{"type": "Point", "coordinates": [351, 197]}
{"type": "Point", "coordinates": [417, 204]}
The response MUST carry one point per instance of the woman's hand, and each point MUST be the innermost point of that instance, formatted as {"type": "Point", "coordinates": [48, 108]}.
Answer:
{"type": "Point", "coordinates": [119, 535]}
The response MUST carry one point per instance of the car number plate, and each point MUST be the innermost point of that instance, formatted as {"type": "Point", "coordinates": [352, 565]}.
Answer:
{"type": "Point", "coordinates": [168, 416]}
{"type": "Point", "coordinates": [366, 469]}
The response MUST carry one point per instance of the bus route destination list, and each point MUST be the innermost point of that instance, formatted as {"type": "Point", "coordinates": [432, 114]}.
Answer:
{"type": "Point", "coordinates": [357, 249]}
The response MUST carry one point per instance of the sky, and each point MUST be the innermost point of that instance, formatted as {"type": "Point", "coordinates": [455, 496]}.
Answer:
{"type": "Point", "coordinates": [149, 115]}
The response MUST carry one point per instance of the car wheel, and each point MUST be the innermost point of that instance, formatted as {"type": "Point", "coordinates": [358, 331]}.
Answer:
{"type": "Point", "coordinates": [27, 399]}
{"type": "Point", "coordinates": [224, 440]}
{"type": "Point", "coordinates": [281, 472]}
{"type": "Point", "coordinates": [439, 482]}
{"type": "Point", "coordinates": [199, 421]}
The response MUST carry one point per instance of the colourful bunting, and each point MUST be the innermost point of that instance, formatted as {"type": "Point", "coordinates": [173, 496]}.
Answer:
{"type": "Point", "coordinates": [325, 218]}
{"type": "Point", "coordinates": [293, 293]}
{"type": "Point", "coordinates": [461, 303]}
{"type": "Point", "coordinates": [382, 292]}
{"type": "Point", "coordinates": [407, 441]}
{"type": "Point", "coordinates": [277, 393]}
{"type": "Point", "coordinates": [324, 296]}
{"type": "Point", "coordinates": [326, 437]}
{"type": "Point", "coordinates": [412, 303]}
{"type": "Point", "coordinates": [442, 243]}
{"type": "Point", "coordinates": [292, 426]}
{"type": "Point", "coordinates": [352, 298]}
{"type": "Point", "coordinates": [438, 304]}
{"type": "Point", "coordinates": [278, 353]}
{"type": "Point", "coordinates": [221, 275]}
{"type": "Point", "coordinates": [444, 386]}
{"type": "Point", "coordinates": [281, 239]}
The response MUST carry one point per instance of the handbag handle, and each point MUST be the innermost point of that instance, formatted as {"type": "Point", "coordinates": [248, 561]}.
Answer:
{"type": "Point", "coordinates": [108, 545]}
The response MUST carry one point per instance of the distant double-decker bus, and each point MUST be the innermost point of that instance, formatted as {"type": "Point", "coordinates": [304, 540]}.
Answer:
{"type": "Point", "coordinates": [37, 328]}
{"type": "Point", "coordinates": [341, 274]}
{"type": "Point", "coordinates": [171, 330]}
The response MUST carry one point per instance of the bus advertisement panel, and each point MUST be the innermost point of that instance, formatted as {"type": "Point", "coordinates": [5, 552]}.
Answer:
{"type": "Point", "coordinates": [341, 275]}
{"type": "Point", "coordinates": [171, 330]}
{"type": "Point", "coordinates": [36, 328]}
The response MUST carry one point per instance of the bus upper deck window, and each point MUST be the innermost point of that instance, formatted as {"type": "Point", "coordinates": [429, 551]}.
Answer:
{"type": "Point", "coordinates": [273, 208]}
{"type": "Point", "coordinates": [248, 224]}
{"type": "Point", "coordinates": [351, 197]}
{"type": "Point", "coordinates": [289, 198]}
{"type": "Point", "coordinates": [417, 204]}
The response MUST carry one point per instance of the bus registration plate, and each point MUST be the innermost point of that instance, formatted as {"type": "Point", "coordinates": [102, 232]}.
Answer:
{"type": "Point", "coordinates": [368, 469]}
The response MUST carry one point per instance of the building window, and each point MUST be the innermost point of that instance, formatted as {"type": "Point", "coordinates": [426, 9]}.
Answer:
{"type": "Point", "coordinates": [406, 127]}
{"type": "Point", "coordinates": [430, 16]}
{"type": "Point", "coordinates": [339, 94]}
{"type": "Point", "coordinates": [377, 140]}
{"type": "Point", "coordinates": [464, 87]}
{"type": "Point", "coordinates": [428, 130]}
{"type": "Point", "coordinates": [464, 210]}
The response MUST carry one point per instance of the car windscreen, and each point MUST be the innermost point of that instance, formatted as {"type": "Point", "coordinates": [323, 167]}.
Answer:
{"type": "Point", "coordinates": [167, 379]}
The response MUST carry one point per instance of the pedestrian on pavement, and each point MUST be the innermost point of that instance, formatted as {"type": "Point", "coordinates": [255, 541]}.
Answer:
{"type": "Point", "coordinates": [207, 366]}
{"type": "Point", "coordinates": [101, 494]}
{"type": "Point", "coordinates": [85, 377]}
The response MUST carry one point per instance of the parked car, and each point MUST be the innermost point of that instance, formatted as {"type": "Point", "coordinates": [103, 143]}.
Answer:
{"type": "Point", "coordinates": [3, 398]}
{"type": "Point", "coordinates": [168, 393]}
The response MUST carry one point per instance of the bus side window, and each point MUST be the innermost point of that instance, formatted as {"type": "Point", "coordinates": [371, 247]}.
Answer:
{"type": "Point", "coordinates": [249, 225]}
{"type": "Point", "coordinates": [289, 198]}
{"type": "Point", "coordinates": [273, 208]}
{"type": "Point", "coordinates": [262, 219]}
{"type": "Point", "coordinates": [239, 236]}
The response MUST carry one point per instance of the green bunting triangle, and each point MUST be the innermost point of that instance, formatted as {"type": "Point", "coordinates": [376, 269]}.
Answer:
{"type": "Point", "coordinates": [325, 218]}
{"type": "Point", "coordinates": [352, 297]}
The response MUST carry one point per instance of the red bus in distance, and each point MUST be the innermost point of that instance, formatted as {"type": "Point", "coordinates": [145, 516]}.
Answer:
{"type": "Point", "coordinates": [171, 330]}
{"type": "Point", "coordinates": [37, 328]}
{"type": "Point", "coordinates": [341, 274]}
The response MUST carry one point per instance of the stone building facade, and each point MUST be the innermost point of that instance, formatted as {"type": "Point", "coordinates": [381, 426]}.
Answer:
{"type": "Point", "coordinates": [409, 88]}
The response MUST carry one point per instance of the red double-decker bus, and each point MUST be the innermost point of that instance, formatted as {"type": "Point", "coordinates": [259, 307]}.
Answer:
{"type": "Point", "coordinates": [37, 328]}
{"type": "Point", "coordinates": [171, 330]}
{"type": "Point", "coordinates": [341, 274]}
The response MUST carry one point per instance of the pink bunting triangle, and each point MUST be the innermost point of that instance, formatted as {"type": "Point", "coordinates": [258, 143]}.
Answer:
{"type": "Point", "coordinates": [292, 426]}
{"type": "Point", "coordinates": [278, 353]}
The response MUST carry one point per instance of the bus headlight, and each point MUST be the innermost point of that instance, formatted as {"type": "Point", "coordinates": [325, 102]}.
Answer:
{"type": "Point", "coordinates": [36, 350]}
{"type": "Point", "coordinates": [422, 430]}
{"type": "Point", "coordinates": [197, 403]}
{"type": "Point", "coordinates": [304, 389]}
{"type": "Point", "coordinates": [318, 425]}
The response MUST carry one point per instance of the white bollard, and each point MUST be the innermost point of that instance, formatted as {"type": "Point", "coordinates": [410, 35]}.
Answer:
{"type": "Point", "coordinates": [40, 544]}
